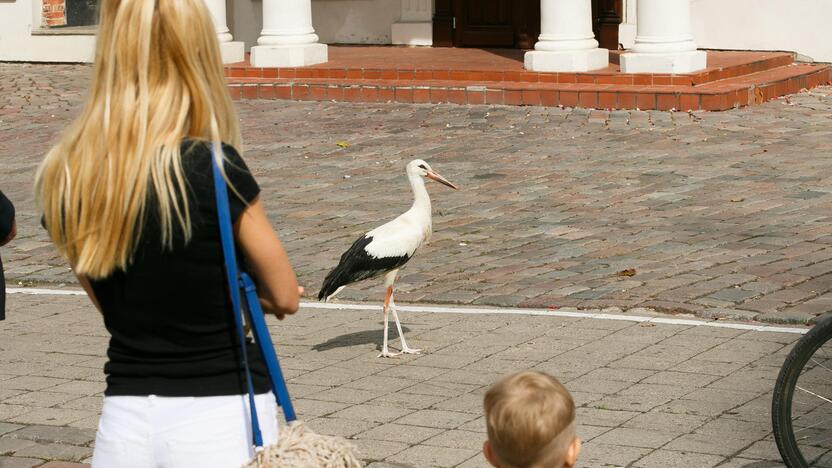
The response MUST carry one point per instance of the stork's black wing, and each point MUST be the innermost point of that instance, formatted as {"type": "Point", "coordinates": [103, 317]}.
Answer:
{"type": "Point", "coordinates": [357, 264]}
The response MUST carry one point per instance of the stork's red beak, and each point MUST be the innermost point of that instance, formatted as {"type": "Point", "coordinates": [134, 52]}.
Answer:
{"type": "Point", "coordinates": [434, 176]}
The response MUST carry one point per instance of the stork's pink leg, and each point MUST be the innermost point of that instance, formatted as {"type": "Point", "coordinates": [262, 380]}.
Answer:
{"type": "Point", "coordinates": [384, 351]}
{"type": "Point", "coordinates": [405, 349]}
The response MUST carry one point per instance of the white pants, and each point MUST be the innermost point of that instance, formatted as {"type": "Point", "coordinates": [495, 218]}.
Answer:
{"type": "Point", "coordinates": [180, 432]}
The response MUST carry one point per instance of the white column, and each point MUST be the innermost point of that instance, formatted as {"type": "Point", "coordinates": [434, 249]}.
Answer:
{"type": "Point", "coordinates": [664, 43]}
{"type": "Point", "coordinates": [231, 51]}
{"type": "Point", "coordinates": [566, 42]}
{"type": "Point", "coordinates": [416, 24]}
{"type": "Point", "coordinates": [288, 38]}
{"type": "Point", "coordinates": [627, 29]}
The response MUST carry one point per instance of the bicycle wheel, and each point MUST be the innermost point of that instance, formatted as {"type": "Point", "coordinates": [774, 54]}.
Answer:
{"type": "Point", "coordinates": [801, 408]}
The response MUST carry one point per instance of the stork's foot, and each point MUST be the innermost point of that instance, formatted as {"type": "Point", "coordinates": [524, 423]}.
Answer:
{"type": "Point", "coordinates": [407, 350]}
{"type": "Point", "coordinates": [387, 354]}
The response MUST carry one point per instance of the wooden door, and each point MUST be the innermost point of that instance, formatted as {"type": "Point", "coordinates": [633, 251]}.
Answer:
{"type": "Point", "coordinates": [484, 23]}
{"type": "Point", "coordinates": [510, 23]}
{"type": "Point", "coordinates": [494, 23]}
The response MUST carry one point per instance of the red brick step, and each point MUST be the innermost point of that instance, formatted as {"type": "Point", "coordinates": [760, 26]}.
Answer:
{"type": "Point", "coordinates": [733, 79]}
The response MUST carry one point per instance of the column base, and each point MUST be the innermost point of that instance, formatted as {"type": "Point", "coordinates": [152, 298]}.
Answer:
{"type": "Point", "coordinates": [301, 55]}
{"type": "Point", "coordinates": [415, 34]}
{"type": "Point", "coordinates": [566, 60]}
{"type": "Point", "coordinates": [627, 35]}
{"type": "Point", "coordinates": [679, 62]}
{"type": "Point", "coordinates": [233, 51]}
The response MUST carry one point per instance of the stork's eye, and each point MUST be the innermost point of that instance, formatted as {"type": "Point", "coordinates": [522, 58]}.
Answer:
{"type": "Point", "coordinates": [423, 166]}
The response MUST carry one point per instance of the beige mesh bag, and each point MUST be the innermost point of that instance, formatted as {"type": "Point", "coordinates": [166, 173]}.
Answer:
{"type": "Point", "coordinates": [298, 447]}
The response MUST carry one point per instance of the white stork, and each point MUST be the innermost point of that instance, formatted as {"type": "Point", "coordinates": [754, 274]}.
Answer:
{"type": "Point", "coordinates": [387, 248]}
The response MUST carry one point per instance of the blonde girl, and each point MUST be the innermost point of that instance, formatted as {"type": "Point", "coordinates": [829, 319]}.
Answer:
{"type": "Point", "coordinates": [127, 198]}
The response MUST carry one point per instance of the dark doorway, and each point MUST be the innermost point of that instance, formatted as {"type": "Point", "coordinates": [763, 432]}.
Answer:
{"type": "Point", "coordinates": [487, 23]}
{"type": "Point", "coordinates": [510, 23]}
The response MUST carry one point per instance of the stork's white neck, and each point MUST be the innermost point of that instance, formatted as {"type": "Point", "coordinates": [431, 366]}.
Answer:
{"type": "Point", "coordinates": [421, 200]}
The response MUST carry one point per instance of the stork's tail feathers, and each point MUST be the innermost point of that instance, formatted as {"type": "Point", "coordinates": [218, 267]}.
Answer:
{"type": "Point", "coordinates": [332, 285]}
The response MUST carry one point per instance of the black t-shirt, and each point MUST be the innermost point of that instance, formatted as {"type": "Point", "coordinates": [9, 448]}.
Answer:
{"type": "Point", "coordinates": [6, 217]}
{"type": "Point", "coordinates": [169, 313]}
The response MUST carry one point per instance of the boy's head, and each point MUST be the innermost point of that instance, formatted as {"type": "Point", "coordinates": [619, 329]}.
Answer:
{"type": "Point", "coordinates": [530, 418]}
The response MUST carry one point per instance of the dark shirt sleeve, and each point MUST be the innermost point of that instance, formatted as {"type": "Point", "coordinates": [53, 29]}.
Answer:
{"type": "Point", "coordinates": [242, 180]}
{"type": "Point", "coordinates": [6, 217]}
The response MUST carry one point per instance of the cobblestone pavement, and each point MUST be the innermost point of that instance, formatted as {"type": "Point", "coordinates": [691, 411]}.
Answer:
{"type": "Point", "coordinates": [723, 215]}
{"type": "Point", "coordinates": [649, 395]}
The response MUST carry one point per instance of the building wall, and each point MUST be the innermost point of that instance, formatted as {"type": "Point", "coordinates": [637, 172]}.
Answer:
{"type": "Point", "coordinates": [355, 21]}
{"type": "Point", "coordinates": [792, 25]}
{"type": "Point", "coordinates": [788, 25]}
{"type": "Point", "coordinates": [17, 20]}
{"type": "Point", "coordinates": [335, 21]}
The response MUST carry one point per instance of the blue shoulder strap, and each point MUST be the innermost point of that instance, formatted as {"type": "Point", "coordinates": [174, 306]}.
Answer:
{"type": "Point", "coordinates": [264, 341]}
{"type": "Point", "coordinates": [228, 251]}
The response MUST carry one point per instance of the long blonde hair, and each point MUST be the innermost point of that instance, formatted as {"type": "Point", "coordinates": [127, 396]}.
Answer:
{"type": "Point", "coordinates": [158, 79]}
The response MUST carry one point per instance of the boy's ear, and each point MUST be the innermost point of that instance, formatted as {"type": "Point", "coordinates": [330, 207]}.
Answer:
{"type": "Point", "coordinates": [573, 452]}
{"type": "Point", "coordinates": [489, 454]}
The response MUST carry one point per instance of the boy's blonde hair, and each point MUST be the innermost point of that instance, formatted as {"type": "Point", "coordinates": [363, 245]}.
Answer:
{"type": "Point", "coordinates": [530, 418]}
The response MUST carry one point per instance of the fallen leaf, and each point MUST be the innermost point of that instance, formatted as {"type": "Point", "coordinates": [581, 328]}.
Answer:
{"type": "Point", "coordinates": [647, 324]}
{"type": "Point", "coordinates": [342, 144]}
{"type": "Point", "coordinates": [737, 200]}
{"type": "Point", "coordinates": [627, 272]}
{"type": "Point", "coordinates": [553, 307]}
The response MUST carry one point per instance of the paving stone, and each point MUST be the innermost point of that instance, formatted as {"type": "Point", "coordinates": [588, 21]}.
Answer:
{"type": "Point", "coordinates": [340, 427]}
{"type": "Point", "coordinates": [373, 413]}
{"type": "Point", "coordinates": [6, 427]}
{"type": "Point", "coordinates": [701, 443]}
{"type": "Point", "coordinates": [668, 459]}
{"type": "Point", "coordinates": [371, 449]}
{"type": "Point", "coordinates": [32, 383]}
{"type": "Point", "coordinates": [666, 422]}
{"type": "Point", "coordinates": [9, 446]}
{"type": "Point", "coordinates": [602, 416]}
{"type": "Point", "coordinates": [19, 462]}
{"type": "Point", "coordinates": [458, 439]}
{"type": "Point", "coordinates": [400, 433]}
{"type": "Point", "coordinates": [56, 452]}
{"type": "Point", "coordinates": [388, 465]}
{"type": "Point", "coordinates": [408, 400]}
{"type": "Point", "coordinates": [59, 435]}
{"type": "Point", "coordinates": [40, 399]}
{"type": "Point", "coordinates": [51, 416]}
{"type": "Point", "coordinates": [729, 314]}
{"type": "Point", "coordinates": [632, 437]}
{"type": "Point", "coordinates": [477, 461]}
{"type": "Point", "coordinates": [63, 464]}
{"type": "Point", "coordinates": [767, 450]}
{"type": "Point", "coordinates": [432, 456]}
{"type": "Point", "coordinates": [434, 418]}
{"type": "Point", "coordinates": [317, 408]}
{"type": "Point", "coordinates": [594, 454]}
{"type": "Point", "coordinates": [738, 462]}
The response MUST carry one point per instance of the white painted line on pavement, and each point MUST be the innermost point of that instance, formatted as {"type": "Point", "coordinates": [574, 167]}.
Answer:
{"type": "Point", "coordinates": [46, 292]}
{"type": "Point", "coordinates": [562, 313]}
{"type": "Point", "coordinates": [495, 311]}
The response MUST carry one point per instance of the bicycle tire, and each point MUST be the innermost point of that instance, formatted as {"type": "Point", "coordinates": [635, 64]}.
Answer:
{"type": "Point", "coordinates": [781, 403]}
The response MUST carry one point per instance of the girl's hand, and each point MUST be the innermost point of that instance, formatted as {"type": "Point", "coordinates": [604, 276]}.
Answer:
{"type": "Point", "coordinates": [279, 315]}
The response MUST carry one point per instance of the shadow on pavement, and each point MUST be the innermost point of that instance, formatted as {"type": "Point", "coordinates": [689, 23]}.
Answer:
{"type": "Point", "coordinates": [374, 336]}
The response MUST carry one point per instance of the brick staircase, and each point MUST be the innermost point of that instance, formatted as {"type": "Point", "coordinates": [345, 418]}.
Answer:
{"type": "Point", "coordinates": [479, 76]}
